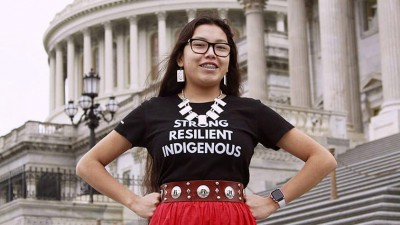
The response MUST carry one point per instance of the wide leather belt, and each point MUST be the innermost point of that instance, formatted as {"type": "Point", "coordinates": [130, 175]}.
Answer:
{"type": "Point", "coordinates": [202, 190]}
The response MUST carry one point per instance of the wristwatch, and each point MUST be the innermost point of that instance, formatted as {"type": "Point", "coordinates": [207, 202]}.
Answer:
{"type": "Point", "coordinates": [278, 197]}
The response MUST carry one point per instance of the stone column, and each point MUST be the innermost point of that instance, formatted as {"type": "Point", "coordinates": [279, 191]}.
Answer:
{"type": "Point", "coordinates": [387, 122]}
{"type": "Point", "coordinates": [315, 52]}
{"type": "Point", "coordinates": [134, 62]}
{"type": "Point", "coordinates": [109, 59]}
{"type": "Point", "coordinates": [52, 80]}
{"type": "Point", "coordinates": [100, 56]}
{"type": "Point", "coordinates": [162, 35]}
{"type": "Point", "coordinates": [78, 70]}
{"type": "Point", "coordinates": [354, 119]}
{"type": "Point", "coordinates": [60, 82]}
{"type": "Point", "coordinates": [389, 35]}
{"type": "Point", "coordinates": [256, 60]}
{"type": "Point", "coordinates": [87, 51]}
{"type": "Point", "coordinates": [71, 68]}
{"type": "Point", "coordinates": [333, 24]}
{"type": "Point", "coordinates": [120, 59]}
{"type": "Point", "coordinates": [144, 54]}
{"type": "Point", "coordinates": [299, 72]}
{"type": "Point", "coordinates": [191, 14]}
{"type": "Point", "coordinates": [280, 21]}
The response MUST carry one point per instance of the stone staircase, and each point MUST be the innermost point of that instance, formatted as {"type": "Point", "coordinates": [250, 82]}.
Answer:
{"type": "Point", "coordinates": [368, 187]}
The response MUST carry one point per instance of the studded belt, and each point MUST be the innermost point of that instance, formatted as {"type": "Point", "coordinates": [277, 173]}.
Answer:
{"type": "Point", "coordinates": [202, 190]}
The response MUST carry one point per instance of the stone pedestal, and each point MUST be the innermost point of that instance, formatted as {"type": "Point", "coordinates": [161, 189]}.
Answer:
{"type": "Point", "coordinates": [385, 124]}
{"type": "Point", "coordinates": [388, 120]}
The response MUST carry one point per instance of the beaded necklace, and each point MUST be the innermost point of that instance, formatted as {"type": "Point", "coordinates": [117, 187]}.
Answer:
{"type": "Point", "coordinates": [213, 112]}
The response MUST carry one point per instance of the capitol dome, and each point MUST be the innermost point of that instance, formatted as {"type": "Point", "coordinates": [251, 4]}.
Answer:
{"type": "Point", "coordinates": [123, 41]}
{"type": "Point", "coordinates": [331, 68]}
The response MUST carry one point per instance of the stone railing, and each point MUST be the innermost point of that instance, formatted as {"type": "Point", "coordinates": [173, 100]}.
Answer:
{"type": "Point", "coordinates": [314, 122]}
{"type": "Point", "coordinates": [319, 123]}
{"type": "Point", "coordinates": [276, 38]}
{"type": "Point", "coordinates": [34, 131]}
{"type": "Point", "coordinates": [283, 156]}
{"type": "Point", "coordinates": [55, 184]}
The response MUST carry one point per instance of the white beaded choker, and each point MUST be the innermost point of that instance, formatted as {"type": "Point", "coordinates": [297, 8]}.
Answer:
{"type": "Point", "coordinates": [213, 113]}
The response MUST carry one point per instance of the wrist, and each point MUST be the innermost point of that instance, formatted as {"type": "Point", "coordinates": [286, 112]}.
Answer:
{"type": "Point", "coordinates": [278, 197]}
{"type": "Point", "coordinates": [132, 201]}
{"type": "Point", "coordinates": [272, 203]}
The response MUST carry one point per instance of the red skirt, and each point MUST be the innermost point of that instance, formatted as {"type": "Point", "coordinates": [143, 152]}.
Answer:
{"type": "Point", "coordinates": [202, 213]}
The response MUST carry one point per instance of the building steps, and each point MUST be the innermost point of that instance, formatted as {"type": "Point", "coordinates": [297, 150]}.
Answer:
{"type": "Point", "coordinates": [368, 190]}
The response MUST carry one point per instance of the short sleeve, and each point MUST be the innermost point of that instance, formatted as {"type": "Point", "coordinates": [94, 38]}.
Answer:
{"type": "Point", "coordinates": [271, 126]}
{"type": "Point", "coordinates": [133, 126]}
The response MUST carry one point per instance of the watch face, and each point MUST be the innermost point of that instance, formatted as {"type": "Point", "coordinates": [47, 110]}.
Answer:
{"type": "Point", "coordinates": [277, 195]}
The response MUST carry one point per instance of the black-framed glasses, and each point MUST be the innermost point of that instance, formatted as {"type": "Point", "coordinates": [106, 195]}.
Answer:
{"type": "Point", "coordinates": [201, 47]}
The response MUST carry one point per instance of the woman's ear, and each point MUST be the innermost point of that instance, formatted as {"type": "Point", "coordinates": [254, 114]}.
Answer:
{"type": "Point", "coordinates": [179, 61]}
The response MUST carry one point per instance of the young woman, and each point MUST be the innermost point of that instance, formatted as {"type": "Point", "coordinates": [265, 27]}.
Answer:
{"type": "Point", "coordinates": [200, 136]}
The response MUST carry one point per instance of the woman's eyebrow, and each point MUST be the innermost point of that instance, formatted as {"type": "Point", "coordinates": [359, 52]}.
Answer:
{"type": "Point", "coordinates": [217, 41]}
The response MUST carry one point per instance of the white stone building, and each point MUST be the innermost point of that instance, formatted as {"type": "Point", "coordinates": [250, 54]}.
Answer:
{"type": "Point", "coordinates": [322, 64]}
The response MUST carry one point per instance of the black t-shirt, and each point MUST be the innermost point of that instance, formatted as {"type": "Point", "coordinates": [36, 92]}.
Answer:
{"type": "Point", "coordinates": [220, 150]}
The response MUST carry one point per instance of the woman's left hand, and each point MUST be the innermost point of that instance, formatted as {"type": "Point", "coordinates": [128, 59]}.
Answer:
{"type": "Point", "coordinates": [261, 207]}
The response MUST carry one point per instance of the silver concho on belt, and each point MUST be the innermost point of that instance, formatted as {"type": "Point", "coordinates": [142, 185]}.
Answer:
{"type": "Point", "coordinates": [176, 192]}
{"type": "Point", "coordinates": [229, 192]}
{"type": "Point", "coordinates": [203, 191]}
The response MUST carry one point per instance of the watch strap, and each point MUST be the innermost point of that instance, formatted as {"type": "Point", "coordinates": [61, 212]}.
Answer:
{"type": "Point", "coordinates": [278, 197]}
{"type": "Point", "coordinates": [282, 203]}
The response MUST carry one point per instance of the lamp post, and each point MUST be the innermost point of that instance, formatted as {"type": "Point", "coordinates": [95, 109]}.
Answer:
{"type": "Point", "coordinates": [92, 112]}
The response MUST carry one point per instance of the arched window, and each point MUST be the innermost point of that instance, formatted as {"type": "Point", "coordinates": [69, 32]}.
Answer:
{"type": "Point", "coordinates": [368, 17]}
{"type": "Point", "coordinates": [369, 14]}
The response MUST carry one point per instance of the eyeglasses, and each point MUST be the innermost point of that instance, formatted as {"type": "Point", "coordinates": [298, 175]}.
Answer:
{"type": "Point", "coordinates": [201, 47]}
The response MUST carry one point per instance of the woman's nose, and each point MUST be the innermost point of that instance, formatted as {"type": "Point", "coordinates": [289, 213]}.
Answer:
{"type": "Point", "coordinates": [210, 52]}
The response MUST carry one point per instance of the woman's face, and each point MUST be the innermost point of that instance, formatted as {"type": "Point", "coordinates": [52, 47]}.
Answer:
{"type": "Point", "coordinates": [208, 69]}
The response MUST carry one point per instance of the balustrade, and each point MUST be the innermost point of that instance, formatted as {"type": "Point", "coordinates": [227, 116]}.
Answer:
{"type": "Point", "coordinates": [34, 131]}
{"type": "Point", "coordinates": [314, 122]}
{"type": "Point", "coordinates": [55, 184]}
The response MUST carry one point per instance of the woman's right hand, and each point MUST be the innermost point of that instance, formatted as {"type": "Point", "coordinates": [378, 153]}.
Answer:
{"type": "Point", "coordinates": [144, 206]}
{"type": "Point", "coordinates": [261, 207]}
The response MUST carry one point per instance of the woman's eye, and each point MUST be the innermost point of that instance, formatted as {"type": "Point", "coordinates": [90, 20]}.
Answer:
{"type": "Point", "coordinates": [199, 44]}
{"type": "Point", "coordinates": [222, 47]}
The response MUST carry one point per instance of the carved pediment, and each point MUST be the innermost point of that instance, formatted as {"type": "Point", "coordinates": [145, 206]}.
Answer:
{"type": "Point", "coordinates": [371, 82]}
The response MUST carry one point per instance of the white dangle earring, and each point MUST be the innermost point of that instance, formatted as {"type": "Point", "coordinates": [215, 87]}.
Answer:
{"type": "Point", "coordinates": [225, 80]}
{"type": "Point", "coordinates": [180, 75]}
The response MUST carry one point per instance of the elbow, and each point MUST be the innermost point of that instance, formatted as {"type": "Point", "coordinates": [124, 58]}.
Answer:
{"type": "Point", "coordinates": [86, 166]}
{"type": "Point", "coordinates": [331, 163]}
{"type": "Point", "coordinates": [80, 168]}
{"type": "Point", "coordinates": [325, 162]}
{"type": "Point", "coordinates": [334, 164]}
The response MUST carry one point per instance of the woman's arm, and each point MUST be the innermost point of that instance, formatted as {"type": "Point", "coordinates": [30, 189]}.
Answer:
{"type": "Point", "coordinates": [91, 168]}
{"type": "Point", "coordinates": [319, 162]}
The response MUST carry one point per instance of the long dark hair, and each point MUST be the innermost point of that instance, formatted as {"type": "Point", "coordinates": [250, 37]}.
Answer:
{"type": "Point", "coordinates": [169, 86]}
